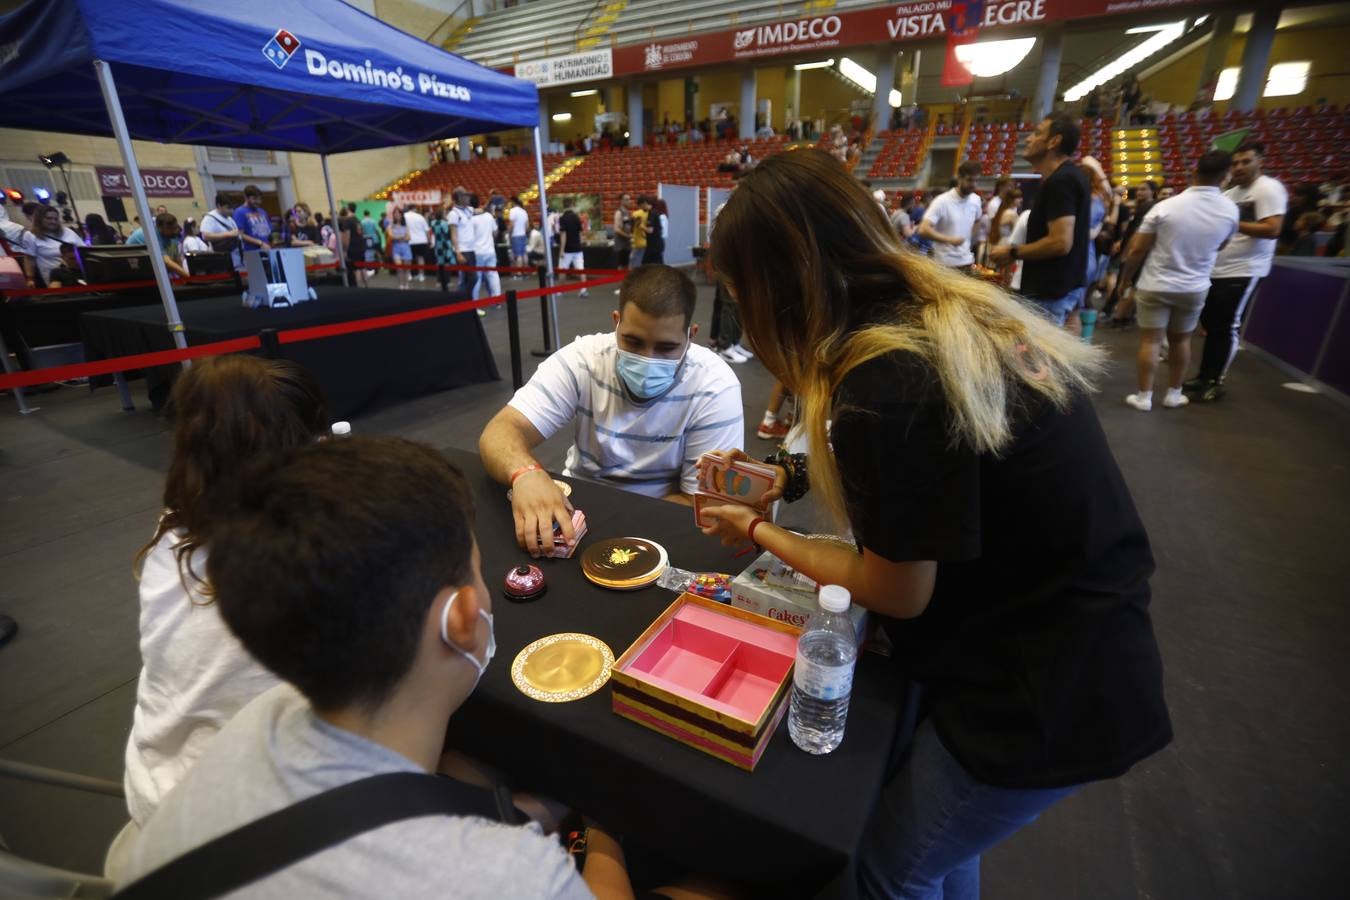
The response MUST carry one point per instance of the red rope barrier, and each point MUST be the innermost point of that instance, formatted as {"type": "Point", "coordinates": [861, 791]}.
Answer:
{"type": "Point", "coordinates": [290, 336]}
{"type": "Point", "coordinates": [115, 286]}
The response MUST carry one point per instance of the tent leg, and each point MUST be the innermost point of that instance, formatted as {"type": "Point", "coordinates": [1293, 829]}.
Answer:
{"type": "Point", "coordinates": [119, 125]}
{"type": "Point", "coordinates": [548, 247]}
{"type": "Point", "coordinates": [333, 218]}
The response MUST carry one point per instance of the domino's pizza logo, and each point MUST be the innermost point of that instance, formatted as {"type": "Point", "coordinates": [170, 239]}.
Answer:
{"type": "Point", "coordinates": [281, 48]}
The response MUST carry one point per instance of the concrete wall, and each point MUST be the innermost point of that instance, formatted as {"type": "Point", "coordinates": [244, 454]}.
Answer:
{"type": "Point", "coordinates": [825, 95]}
{"type": "Point", "coordinates": [1323, 47]}
{"type": "Point", "coordinates": [719, 87]}
{"type": "Point", "coordinates": [355, 175]}
{"type": "Point", "coordinates": [669, 102]}
{"type": "Point", "coordinates": [583, 110]}
{"type": "Point", "coordinates": [771, 84]}
{"type": "Point", "coordinates": [21, 148]}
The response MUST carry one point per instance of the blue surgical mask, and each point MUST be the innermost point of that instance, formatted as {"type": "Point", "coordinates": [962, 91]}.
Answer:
{"type": "Point", "coordinates": [478, 666]}
{"type": "Point", "coordinates": [646, 377]}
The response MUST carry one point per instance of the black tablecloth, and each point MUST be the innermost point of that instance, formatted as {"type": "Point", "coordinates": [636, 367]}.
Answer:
{"type": "Point", "coordinates": [358, 372]}
{"type": "Point", "coordinates": [55, 319]}
{"type": "Point", "coordinates": [790, 828]}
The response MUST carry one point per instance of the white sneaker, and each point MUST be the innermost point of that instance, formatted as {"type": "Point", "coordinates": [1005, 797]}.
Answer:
{"type": "Point", "coordinates": [740, 348]}
{"type": "Point", "coordinates": [585, 292]}
{"type": "Point", "coordinates": [731, 356]}
{"type": "Point", "coordinates": [1141, 402]}
{"type": "Point", "coordinates": [1175, 399]}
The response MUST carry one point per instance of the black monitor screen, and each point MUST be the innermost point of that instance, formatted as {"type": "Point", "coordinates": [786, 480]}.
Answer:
{"type": "Point", "coordinates": [209, 263]}
{"type": "Point", "coordinates": [108, 264]}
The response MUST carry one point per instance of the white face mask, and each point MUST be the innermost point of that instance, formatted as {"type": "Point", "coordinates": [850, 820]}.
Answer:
{"type": "Point", "coordinates": [479, 667]}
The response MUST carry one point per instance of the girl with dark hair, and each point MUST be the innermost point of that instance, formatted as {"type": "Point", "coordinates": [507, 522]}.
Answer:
{"type": "Point", "coordinates": [228, 412]}
{"type": "Point", "coordinates": [99, 231]}
{"type": "Point", "coordinates": [941, 415]}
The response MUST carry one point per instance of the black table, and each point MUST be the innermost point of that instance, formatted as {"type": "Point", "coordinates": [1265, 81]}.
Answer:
{"type": "Point", "coordinates": [790, 828]}
{"type": "Point", "coordinates": [358, 372]}
{"type": "Point", "coordinates": [41, 321]}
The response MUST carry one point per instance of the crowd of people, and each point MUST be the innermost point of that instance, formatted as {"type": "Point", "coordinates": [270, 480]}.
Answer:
{"type": "Point", "coordinates": [938, 413]}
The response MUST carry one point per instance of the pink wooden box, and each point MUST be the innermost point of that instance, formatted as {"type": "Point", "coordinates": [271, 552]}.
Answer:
{"type": "Point", "coordinates": [710, 676]}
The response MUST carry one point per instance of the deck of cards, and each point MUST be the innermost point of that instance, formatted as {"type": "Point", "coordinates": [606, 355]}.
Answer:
{"type": "Point", "coordinates": [562, 549]}
{"type": "Point", "coordinates": [741, 482]}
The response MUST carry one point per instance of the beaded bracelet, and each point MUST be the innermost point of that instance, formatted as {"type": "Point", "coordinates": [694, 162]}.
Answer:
{"type": "Point", "coordinates": [794, 464]}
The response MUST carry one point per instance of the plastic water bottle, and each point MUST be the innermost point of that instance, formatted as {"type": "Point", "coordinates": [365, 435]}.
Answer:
{"type": "Point", "coordinates": [823, 677]}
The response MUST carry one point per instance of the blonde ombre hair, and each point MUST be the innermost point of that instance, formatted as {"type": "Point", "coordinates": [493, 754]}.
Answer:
{"type": "Point", "coordinates": [824, 285]}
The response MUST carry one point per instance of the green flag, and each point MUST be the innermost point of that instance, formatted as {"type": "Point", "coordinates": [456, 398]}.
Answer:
{"type": "Point", "coordinates": [1229, 141]}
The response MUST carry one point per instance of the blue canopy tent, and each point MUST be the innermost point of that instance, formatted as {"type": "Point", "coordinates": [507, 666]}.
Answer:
{"type": "Point", "coordinates": [318, 76]}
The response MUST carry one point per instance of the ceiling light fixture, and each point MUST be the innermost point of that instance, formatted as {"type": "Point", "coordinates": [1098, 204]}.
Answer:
{"type": "Point", "coordinates": [823, 64]}
{"type": "Point", "coordinates": [989, 58]}
{"type": "Point", "coordinates": [858, 75]}
{"type": "Point", "coordinates": [585, 93]}
{"type": "Point", "coordinates": [1126, 61]}
{"type": "Point", "coordinates": [562, 117]}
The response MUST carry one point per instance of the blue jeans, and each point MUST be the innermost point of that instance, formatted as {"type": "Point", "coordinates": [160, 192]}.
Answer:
{"type": "Point", "coordinates": [932, 822]}
{"type": "Point", "coordinates": [1058, 310]}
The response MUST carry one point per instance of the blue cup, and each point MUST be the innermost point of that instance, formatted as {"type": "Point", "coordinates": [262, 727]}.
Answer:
{"type": "Point", "coordinates": [1089, 319]}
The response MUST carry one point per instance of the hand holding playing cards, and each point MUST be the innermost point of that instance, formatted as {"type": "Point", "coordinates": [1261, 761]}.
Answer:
{"type": "Point", "coordinates": [730, 522]}
{"type": "Point", "coordinates": [730, 456]}
{"type": "Point", "coordinates": [537, 504]}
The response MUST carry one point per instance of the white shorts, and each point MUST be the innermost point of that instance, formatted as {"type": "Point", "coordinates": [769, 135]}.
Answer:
{"type": "Point", "coordinates": [572, 261]}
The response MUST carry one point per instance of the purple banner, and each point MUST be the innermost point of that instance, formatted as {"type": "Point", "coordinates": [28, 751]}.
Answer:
{"type": "Point", "coordinates": [112, 182]}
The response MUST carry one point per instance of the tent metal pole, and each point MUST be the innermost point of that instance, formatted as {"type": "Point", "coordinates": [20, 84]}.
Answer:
{"type": "Point", "coordinates": [119, 125]}
{"type": "Point", "coordinates": [333, 217]}
{"type": "Point", "coordinates": [548, 242]}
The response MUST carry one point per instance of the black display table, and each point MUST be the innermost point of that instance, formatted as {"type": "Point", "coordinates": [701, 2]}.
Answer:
{"type": "Point", "coordinates": [791, 828]}
{"type": "Point", "coordinates": [358, 372]}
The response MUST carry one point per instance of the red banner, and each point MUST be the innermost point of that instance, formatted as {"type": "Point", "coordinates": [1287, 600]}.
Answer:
{"type": "Point", "coordinates": [895, 23]}
{"type": "Point", "coordinates": [112, 182]}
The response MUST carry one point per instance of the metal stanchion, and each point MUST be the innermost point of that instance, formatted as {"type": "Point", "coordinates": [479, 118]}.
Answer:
{"type": "Point", "coordinates": [271, 347]}
{"type": "Point", "coordinates": [544, 317]}
{"type": "Point", "coordinates": [513, 329]}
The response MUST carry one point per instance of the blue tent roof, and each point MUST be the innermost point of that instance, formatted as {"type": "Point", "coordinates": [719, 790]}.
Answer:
{"type": "Point", "coordinates": [314, 75]}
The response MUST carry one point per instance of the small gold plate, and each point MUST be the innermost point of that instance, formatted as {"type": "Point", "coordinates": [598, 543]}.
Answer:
{"type": "Point", "coordinates": [562, 667]}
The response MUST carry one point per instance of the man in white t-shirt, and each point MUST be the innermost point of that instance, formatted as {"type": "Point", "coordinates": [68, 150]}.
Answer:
{"type": "Point", "coordinates": [645, 401]}
{"type": "Point", "coordinates": [950, 220]}
{"type": "Point", "coordinates": [485, 251]}
{"type": "Point", "coordinates": [460, 218]}
{"type": "Point", "coordinates": [1180, 237]}
{"type": "Point", "coordinates": [221, 232]}
{"type": "Point", "coordinates": [419, 232]}
{"type": "Point", "coordinates": [519, 220]}
{"type": "Point", "coordinates": [1261, 202]}
{"type": "Point", "coordinates": [364, 696]}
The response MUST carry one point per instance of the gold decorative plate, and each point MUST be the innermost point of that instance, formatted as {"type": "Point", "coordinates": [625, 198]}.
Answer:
{"type": "Point", "coordinates": [562, 667]}
{"type": "Point", "coordinates": [624, 564]}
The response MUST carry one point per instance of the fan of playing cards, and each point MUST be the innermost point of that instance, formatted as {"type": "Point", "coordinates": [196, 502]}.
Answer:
{"type": "Point", "coordinates": [740, 482]}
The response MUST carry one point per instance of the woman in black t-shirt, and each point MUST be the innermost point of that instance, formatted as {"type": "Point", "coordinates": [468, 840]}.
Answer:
{"type": "Point", "coordinates": [1017, 598]}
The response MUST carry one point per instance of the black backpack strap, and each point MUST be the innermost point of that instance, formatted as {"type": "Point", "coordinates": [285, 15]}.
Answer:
{"type": "Point", "coordinates": [285, 837]}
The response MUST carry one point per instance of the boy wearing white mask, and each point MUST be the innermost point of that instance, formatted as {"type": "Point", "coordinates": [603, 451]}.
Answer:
{"type": "Point", "coordinates": [349, 568]}
{"type": "Point", "coordinates": [645, 400]}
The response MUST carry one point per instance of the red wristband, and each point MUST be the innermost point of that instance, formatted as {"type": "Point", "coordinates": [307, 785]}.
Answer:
{"type": "Point", "coordinates": [750, 532]}
{"type": "Point", "coordinates": [532, 467]}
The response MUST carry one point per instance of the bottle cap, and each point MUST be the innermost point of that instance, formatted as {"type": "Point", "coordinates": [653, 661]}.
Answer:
{"type": "Point", "coordinates": [834, 598]}
{"type": "Point", "coordinates": [341, 429]}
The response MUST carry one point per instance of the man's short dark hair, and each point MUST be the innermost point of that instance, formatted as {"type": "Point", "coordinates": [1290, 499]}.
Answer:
{"type": "Point", "coordinates": [970, 168]}
{"type": "Point", "coordinates": [327, 561]}
{"type": "Point", "coordinates": [224, 199]}
{"type": "Point", "coordinates": [1066, 126]}
{"type": "Point", "coordinates": [251, 190]}
{"type": "Point", "coordinates": [1251, 145]}
{"type": "Point", "coordinates": [1152, 185]}
{"type": "Point", "coordinates": [351, 207]}
{"type": "Point", "coordinates": [166, 220]}
{"type": "Point", "coordinates": [568, 202]}
{"type": "Point", "coordinates": [1213, 166]}
{"type": "Point", "coordinates": [660, 292]}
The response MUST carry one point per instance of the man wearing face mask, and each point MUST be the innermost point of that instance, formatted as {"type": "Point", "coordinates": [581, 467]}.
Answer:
{"type": "Point", "coordinates": [645, 401]}
{"type": "Point", "coordinates": [377, 648]}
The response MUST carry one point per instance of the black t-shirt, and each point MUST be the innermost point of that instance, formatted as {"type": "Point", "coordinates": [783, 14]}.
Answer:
{"type": "Point", "coordinates": [1036, 651]}
{"type": "Point", "coordinates": [1064, 193]}
{"type": "Point", "coordinates": [356, 239]}
{"type": "Point", "coordinates": [569, 223]}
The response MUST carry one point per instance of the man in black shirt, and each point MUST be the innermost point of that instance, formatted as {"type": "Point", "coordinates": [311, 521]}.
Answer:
{"type": "Point", "coordinates": [352, 244]}
{"type": "Point", "coordinates": [569, 223]}
{"type": "Point", "coordinates": [1055, 254]}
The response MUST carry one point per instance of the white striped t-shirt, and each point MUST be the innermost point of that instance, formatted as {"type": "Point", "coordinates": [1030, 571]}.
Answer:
{"type": "Point", "coordinates": [649, 448]}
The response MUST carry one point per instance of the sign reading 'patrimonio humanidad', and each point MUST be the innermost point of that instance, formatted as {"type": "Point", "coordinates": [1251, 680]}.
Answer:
{"type": "Point", "coordinates": [592, 66]}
